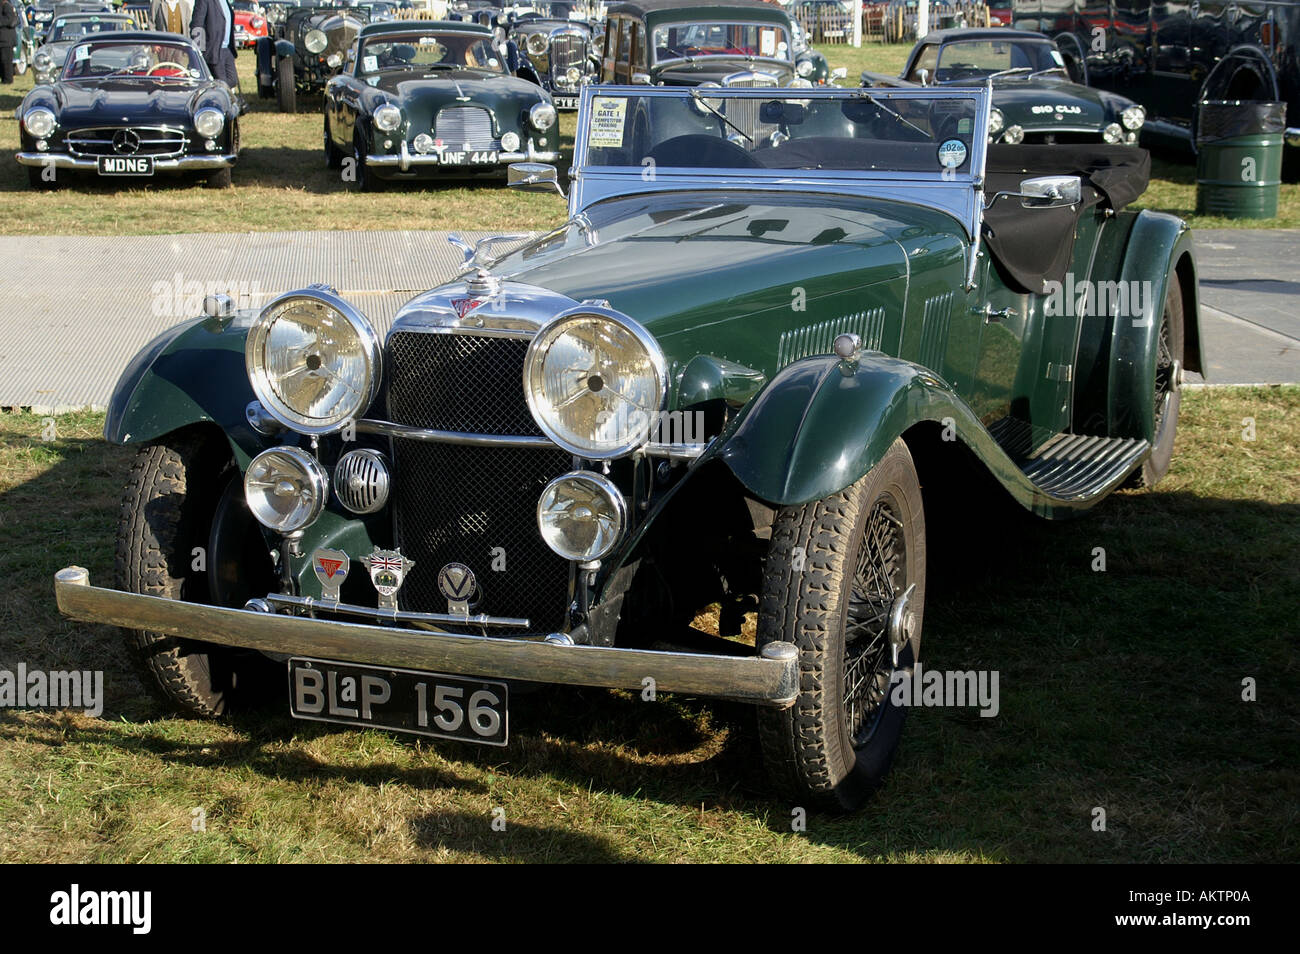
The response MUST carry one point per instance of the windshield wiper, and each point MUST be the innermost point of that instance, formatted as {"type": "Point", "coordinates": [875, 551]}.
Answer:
{"type": "Point", "coordinates": [695, 95]}
{"type": "Point", "coordinates": [1050, 69]}
{"type": "Point", "coordinates": [1010, 72]}
{"type": "Point", "coordinates": [879, 105]}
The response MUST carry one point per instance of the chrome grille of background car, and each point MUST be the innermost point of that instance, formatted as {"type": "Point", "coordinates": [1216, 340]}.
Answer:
{"type": "Point", "coordinates": [456, 504]}
{"type": "Point", "coordinates": [744, 112]}
{"type": "Point", "coordinates": [566, 50]}
{"type": "Point", "coordinates": [161, 142]}
{"type": "Point", "coordinates": [465, 124]}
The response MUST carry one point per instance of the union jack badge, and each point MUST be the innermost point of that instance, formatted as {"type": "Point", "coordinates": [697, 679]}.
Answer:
{"type": "Point", "coordinates": [464, 306]}
{"type": "Point", "coordinates": [387, 570]}
{"type": "Point", "coordinates": [331, 567]}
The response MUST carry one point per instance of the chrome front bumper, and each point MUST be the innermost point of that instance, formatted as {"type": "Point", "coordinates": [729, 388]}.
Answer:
{"type": "Point", "coordinates": [61, 160]}
{"type": "Point", "coordinates": [771, 679]}
{"type": "Point", "coordinates": [406, 160]}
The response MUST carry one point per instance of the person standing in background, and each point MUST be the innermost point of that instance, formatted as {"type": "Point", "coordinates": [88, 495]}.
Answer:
{"type": "Point", "coordinates": [172, 16]}
{"type": "Point", "coordinates": [212, 28]}
{"type": "Point", "coordinates": [8, 40]}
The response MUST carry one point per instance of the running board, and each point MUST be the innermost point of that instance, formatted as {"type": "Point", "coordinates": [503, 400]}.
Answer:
{"type": "Point", "coordinates": [1076, 466]}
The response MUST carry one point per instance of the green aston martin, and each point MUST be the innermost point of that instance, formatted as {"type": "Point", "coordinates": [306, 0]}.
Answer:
{"type": "Point", "coordinates": [778, 329]}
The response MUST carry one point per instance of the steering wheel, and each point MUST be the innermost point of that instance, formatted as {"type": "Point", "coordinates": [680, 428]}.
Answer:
{"type": "Point", "coordinates": [167, 64]}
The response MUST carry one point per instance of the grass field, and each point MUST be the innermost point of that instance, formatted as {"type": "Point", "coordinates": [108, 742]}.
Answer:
{"type": "Point", "coordinates": [281, 182]}
{"type": "Point", "coordinates": [1120, 690]}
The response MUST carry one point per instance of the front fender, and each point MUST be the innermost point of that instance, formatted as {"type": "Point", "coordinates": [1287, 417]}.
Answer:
{"type": "Point", "coordinates": [190, 374]}
{"type": "Point", "coordinates": [1160, 250]}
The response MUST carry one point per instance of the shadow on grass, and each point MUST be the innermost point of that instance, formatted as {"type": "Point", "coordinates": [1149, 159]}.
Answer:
{"type": "Point", "coordinates": [1120, 688]}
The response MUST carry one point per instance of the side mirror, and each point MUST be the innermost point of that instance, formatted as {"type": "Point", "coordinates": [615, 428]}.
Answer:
{"type": "Point", "coordinates": [1051, 192]}
{"type": "Point", "coordinates": [534, 177]}
{"type": "Point", "coordinates": [640, 79]}
{"type": "Point", "coordinates": [924, 76]}
{"type": "Point", "coordinates": [839, 73]}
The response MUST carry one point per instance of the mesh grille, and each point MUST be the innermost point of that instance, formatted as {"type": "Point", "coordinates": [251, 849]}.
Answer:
{"type": "Point", "coordinates": [457, 504]}
{"type": "Point", "coordinates": [465, 124]}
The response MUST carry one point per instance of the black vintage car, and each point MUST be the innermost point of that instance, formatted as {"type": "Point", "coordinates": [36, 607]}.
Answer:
{"type": "Point", "coordinates": [304, 52]}
{"type": "Point", "coordinates": [131, 103]}
{"type": "Point", "coordinates": [427, 99]}
{"type": "Point", "coordinates": [557, 54]}
{"type": "Point", "coordinates": [1034, 99]}
{"type": "Point", "coordinates": [1171, 57]}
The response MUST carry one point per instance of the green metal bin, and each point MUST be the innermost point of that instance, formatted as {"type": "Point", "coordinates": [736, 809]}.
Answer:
{"type": "Point", "coordinates": [1239, 158]}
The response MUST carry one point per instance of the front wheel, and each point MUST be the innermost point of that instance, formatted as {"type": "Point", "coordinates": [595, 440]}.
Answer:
{"type": "Point", "coordinates": [285, 91]}
{"type": "Point", "coordinates": [1168, 388]}
{"type": "Point", "coordinates": [845, 582]}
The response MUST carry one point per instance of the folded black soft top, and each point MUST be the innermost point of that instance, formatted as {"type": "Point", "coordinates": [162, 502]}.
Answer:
{"type": "Point", "coordinates": [1033, 246]}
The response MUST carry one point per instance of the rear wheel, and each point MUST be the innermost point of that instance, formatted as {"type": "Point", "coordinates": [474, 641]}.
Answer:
{"type": "Point", "coordinates": [333, 155]}
{"type": "Point", "coordinates": [1168, 388]}
{"type": "Point", "coordinates": [285, 92]}
{"type": "Point", "coordinates": [845, 582]}
{"type": "Point", "coordinates": [167, 513]}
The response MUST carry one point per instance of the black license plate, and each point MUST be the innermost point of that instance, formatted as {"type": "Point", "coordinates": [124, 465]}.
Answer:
{"type": "Point", "coordinates": [566, 102]}
{"type": "Point", "coordinates": [403, 700]}
{"type": "Point", "coordinates": [479, 157]}
{"type": "Point", "coordinates": [126, 165]}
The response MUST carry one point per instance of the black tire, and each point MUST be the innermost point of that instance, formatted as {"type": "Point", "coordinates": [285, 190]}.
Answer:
{"type": "Point", "coordinates": [825, 589]}
{"type": "Point", "coordinates": [333, 155]}
{"type": "Point", "coordinates": [167, 510]}
{"type": "Point", "coordinates": [37, 180]}
{"type": "Point", "coordinates": [365, 180]}
{"type": "Point", "coordinates": [285, 93]}
{"type": "Point", "coordinates": [1168, 390]}
{"type": "Point", "coordinates": [218, 180]}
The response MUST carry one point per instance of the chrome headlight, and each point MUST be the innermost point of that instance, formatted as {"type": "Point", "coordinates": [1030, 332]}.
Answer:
{"type": "Point", "coordinates": [208, 123]}
{"type": "Point", "coordinates": [40, 122]}
{"type": "Point", "coordinates": [315, 41]}
{"type": "Point", "coordinates": [285, 488]}
{"type": "Point", "coordinates": [581, 515]}
{"type": "Point", "coordinates": [1014, 134]}
{"type": "Point", "coordinates": [334, 60]}
{"type": "Point", "coordinates": [594, 381]}
{"type": "Point", "coordinates": [1112, 133]}
{"type": "Point", "coordinates": [1133, 117]}
{"type": "Point", "coordinates": [42, 60]}
{"type": "Point", "coordinates": [572, 75]}
{"type": "Point", "coordinates": [314, 361]}
{"type": "Point", "coordinates": [536, 43]}
{"type": "Point", "coordinates": [387, 117]}
{"type": "Point", "coordinates": [805, 68]}
{"type": "Point", "coordinates": [542, 116]}
{"type": "Point", "coordinates": [996, 121]}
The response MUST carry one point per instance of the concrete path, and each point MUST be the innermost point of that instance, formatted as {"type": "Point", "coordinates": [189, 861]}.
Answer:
{"type": "Point", "coordinates": [74, 309]}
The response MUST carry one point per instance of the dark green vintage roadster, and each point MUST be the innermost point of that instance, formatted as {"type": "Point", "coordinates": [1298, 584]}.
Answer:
{"type": "Point", "coordinates": [773, 323]}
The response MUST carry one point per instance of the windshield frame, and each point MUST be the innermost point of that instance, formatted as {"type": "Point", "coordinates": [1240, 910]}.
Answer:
{"type": "Point", "coordinates": [1052, 54]}
{"type": "Point", "coordinates": [655, 61]}
{"type": "Point", "coordinates": [71, 18]}
{"type": "Point", "coordinates": [958, 193]}
{"type": "Point", "coordinates": [390, 37]}
{"type": "Point", "coordinates": [181, 43]}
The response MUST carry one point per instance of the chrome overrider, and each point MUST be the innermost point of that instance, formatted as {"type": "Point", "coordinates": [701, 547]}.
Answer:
{"type": "Point", "coordinates": [770, 679]}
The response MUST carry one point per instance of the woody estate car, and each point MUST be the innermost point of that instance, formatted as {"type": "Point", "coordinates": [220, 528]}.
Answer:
{"type": "Point", "coordinates": [304, 51]}
{"type": "Point", "coordinates": [425, 99]}
{"type": "Point", "coordinates": [745, 379]}
{"type": "Point", "coordinates": [1034, 99]}
{"type": "Point", "coordinates": [129, 104]}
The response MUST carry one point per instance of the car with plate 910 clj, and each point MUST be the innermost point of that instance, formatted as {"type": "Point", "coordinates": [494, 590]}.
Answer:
{"type": "Point", "coordinates": [129, 104]}
{"type": "Point", "coordinates": [747, 379]}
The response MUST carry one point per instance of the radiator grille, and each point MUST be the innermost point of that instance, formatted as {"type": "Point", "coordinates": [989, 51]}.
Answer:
{"type": "Point", "coordinates": [465, 124]}
{"type": "Point", "coordinates": [158, 141]}
{"type": "Point", "coordinates": [472, 505]}
{"type": "Point", "coordinates": [744, 112]}
{"type": "Point", "coordinates": [567, 50]}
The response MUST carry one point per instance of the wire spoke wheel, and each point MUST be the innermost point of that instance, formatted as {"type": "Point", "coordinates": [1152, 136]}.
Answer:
{"type": "Point", "coordinates": [868, 652]}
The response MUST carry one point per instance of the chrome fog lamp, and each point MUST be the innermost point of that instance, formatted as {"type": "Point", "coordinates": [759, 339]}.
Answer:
{"type": "Point", "coordinates": [1014, 134]}
{"type": "Point", "coordinates": [40, 122]}
{"type": "Point", "coordinates": [572, 75]}
{"type": "Point", "coordinates": [805, 68]}
{"type": "Point", "coordinates": [996, 121]}
{"type": "Point", "coordinates": [208, 122]}
{"type": "Point", "coordinates": [313, 360]}
{"type": "Point", "coordinates": [334, 60]}
{"type": "Point", "coordinates": [1112, 133]}
{"type": "Point", "coordinates": [423, 144]}
{"type": "Point", "coordinates": [387, 117]}
{"type": "Point", "coordinates": [594, 381]}
{"type": "Point", "coordinates": [536, 43]}
{"type": "Point", "coordinates": [285, 488]}
{"type": "Point", "coordinates": [315, 41]}
{"type": "Point", "coordinates": [581, 516]}
{"type": "Point", "coordinates": [510, 142]}
{"type": "Point", "coordinates": [542, 116]}
{"type": "Point", "coordinates": [42, 61]}
{"type": "Point", "coordinates": [1133, 117]}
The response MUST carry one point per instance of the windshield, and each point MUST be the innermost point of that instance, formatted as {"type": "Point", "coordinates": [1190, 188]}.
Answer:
{"type": "Point", "coordinates": [64, 30]}
{"type": "Point", "coordinates": [971, 59]}
{"type": "Point", "coordinates": [429, 51]}
{"type": "Point", "coordinates": [138, 60]}
{"type": "Point", "coordinates": [685, 40]}
{"type": "Point", "coordinates": [783, 130]}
